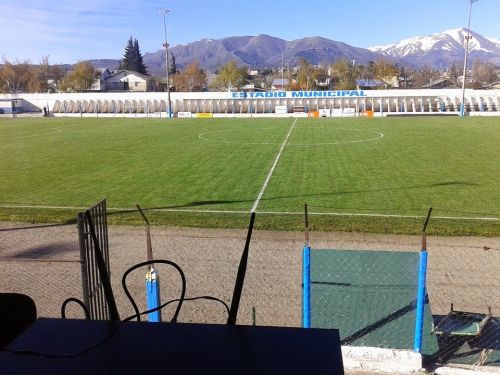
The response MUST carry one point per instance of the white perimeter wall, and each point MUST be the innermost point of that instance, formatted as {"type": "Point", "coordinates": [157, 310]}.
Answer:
{"type": "Point", "coordinates": [43, 100]}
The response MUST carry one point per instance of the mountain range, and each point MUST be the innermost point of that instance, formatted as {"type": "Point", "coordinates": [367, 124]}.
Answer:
{"type": "Point", "coordinates": [443, 49]}
{"type": "Point", "coordinates": [437, 51]}
{"type": "Point", "coordinates": [260, 51]}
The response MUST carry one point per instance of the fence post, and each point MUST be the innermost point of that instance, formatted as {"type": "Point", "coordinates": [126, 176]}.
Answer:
{"type": "Point", "coordinates": [153, 295]}
{"type": "Point", "coordinates": [306, 287]}
{"type": "Point", "coordinates": [306, 275]}
{"type": "Point", "coordinates": [82, 238]}
{"type": "Point", "coordinates": [421, 292]}
{"type": "Point", "coordinates": [152, 278]}
{"type": "Point", "coordinates": [419, 321]}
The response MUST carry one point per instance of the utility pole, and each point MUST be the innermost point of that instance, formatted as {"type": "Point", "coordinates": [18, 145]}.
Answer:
{"type": "Point", "coordinates": [282, 71]}
{"type": "Point", "coordinates": [169, 106]}
{"type": "Point", "coordinates": [467, 38]}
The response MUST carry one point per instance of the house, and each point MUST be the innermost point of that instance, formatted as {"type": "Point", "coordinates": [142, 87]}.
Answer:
{"type": "Point", "coordinates": [440, 83]}
{"type": "Point", "coordinates": [280, 84]}
{"type": "Point", "coordinates": [252, 87]}
{"type": "Point", "coordinates": [493, 86]}
{"type": "Point", "coordinates": [370, 84]}
{"type": "Point", "coordinates": [99, 83]}
{"type": "Point", "coordinates": [126, 80]}
{"type": "Point", "coordinates": [391, 81]}
{"type": "Point", "coordinates": [249, 87]}
{"type": "Point", "coordinates": [323, 81]}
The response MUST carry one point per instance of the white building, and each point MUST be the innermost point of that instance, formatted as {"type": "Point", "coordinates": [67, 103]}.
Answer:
{"type": "Point", "coordinates": [100, 83]}
{"type": "Point", "coordinates": [122, 80]}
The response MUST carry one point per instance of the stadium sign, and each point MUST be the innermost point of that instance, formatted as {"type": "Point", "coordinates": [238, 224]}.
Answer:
{"type": "Point", "coordinates": [297, 94]}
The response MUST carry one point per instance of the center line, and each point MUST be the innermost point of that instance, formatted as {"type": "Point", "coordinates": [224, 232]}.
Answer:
{"type": "Point", "coordinates": [264, 186]}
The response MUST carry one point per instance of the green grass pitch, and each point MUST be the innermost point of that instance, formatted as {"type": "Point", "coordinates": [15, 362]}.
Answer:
{"type": "Point", "coordinates": [388, 169]}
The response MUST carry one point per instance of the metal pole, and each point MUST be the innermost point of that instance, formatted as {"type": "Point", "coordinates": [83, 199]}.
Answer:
{"type": "Point", "coordinates": [282, 72]}
{"type": "Point", "coordinates": [306, 275]}
{"type": "Point", "coordinates": [153, 298]}
{"type": "Point", "coordinates": [169, 107]}
{"type": "Point", "coordinates": [306, 287]}
{"type": "Point", "coordinates": [467, 38]}
{"type": "Point", "coordinates": [421, 290]}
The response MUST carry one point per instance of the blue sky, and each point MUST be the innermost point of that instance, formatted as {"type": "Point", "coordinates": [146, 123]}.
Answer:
{"type": "Point", "coordinates": [74, 30]}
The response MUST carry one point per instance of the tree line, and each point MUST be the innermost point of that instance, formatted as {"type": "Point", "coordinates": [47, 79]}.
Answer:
{"type": "Point", "coordinates": [343, 74]}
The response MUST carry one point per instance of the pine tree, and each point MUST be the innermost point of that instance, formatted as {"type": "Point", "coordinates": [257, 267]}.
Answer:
{"type": "Point", "coordinates": [127, 60]}
{"type": "Point", "coordinates": [132, 58]}
{"type": "Point", "coordinates": [172, 69]}
{"type": "Point", "coordinates": [139, 64]}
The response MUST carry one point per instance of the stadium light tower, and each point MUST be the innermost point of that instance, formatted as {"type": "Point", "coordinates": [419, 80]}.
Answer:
{"type": "Point", "coordinates": [467, 38]}
{"type": "Point", "coordinates": [282, 71]}
{"type": "Point", "coordinates": [164, 12]}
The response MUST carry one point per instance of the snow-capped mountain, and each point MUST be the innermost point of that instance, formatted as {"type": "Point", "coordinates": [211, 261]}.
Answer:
{"type": "Point", "coordinates": [436, 50]}
{"type": "Point", "coordinates": [442, 49]}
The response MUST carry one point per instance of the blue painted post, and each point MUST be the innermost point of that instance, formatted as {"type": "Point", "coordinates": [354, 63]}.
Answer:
{"type": "Point", "coordinates": [153, 295]}
{"type": "Point", "coordinates": [462, 110]}
{"type": "Point", "coordinates": [421, 297]}
{"type": "Point", "coordinates": [306, 287]}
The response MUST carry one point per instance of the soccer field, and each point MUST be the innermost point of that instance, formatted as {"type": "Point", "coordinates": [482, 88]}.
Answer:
{"type": "Point", "coordinates": [359, 174]}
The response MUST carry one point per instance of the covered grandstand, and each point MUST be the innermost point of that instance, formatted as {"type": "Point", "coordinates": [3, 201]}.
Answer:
{"type": "Point", "coordinates": [327, 103]}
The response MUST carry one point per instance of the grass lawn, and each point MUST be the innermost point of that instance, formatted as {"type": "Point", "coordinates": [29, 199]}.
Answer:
{"type": "Point", "coordinates": [390, 167]}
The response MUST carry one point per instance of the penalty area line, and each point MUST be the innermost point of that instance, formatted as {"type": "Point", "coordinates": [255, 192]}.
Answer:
{"type": "Point", "coordinates": [239, 212]}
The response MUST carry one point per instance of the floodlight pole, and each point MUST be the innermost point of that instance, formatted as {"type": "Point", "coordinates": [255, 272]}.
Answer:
{"type": "Point", "coordinates": [164, 12]}
{"type": "Point", "coordinates": [467, 38]}
{"type": "Point", "coordinates": [282, 71]}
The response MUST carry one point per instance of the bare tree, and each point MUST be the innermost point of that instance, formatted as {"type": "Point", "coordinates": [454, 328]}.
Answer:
{"type": "Point", "coordinates": [50, 75]}
{"type": "Point", "coordinates": [306, 76]}
{"type": "Point", "coordinates": [423, 76]}
{"type": "Point", "coordinates": [367, 71]}
{"type": "Point", "coordinates": [483, 74]}
{"type": "Point", "coordinates": [385, 70]}
{"type": "Point", "coordinates": [454, 72]}
{"type": "Point", "coordinates": [19, 77]}
{"type": "Point", "coordinates": [346, 72]}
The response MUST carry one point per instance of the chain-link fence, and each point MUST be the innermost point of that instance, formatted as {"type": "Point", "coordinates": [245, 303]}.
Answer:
{"type": "Point", "coordinates": [44, 263]}
{"type": "Point", "coordinates": [210, 259]}
{"type": "Point", "coordinates": [370, 295]}
{"type": "Point", "coordinates": [464, 289]}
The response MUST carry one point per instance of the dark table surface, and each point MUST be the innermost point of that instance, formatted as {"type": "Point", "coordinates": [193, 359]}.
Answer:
{"type": "Point", "coordinates": [163, 348]}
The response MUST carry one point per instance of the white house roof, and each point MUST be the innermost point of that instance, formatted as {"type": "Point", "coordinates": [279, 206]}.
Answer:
{"type": "Point", "coordinates": [129, 72]}
{"type": "Point", "coordinates": [280, 82]}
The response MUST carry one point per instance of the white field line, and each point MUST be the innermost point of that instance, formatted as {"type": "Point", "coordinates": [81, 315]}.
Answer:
{"type": "Point", "coordinates": [57, 130]}
{"type": "Point", "coordinates": [238, 212]}
{"type": "Point", "coordinates": [202, 136]}
{"type": "Point", "coordinates": [269, 175]}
